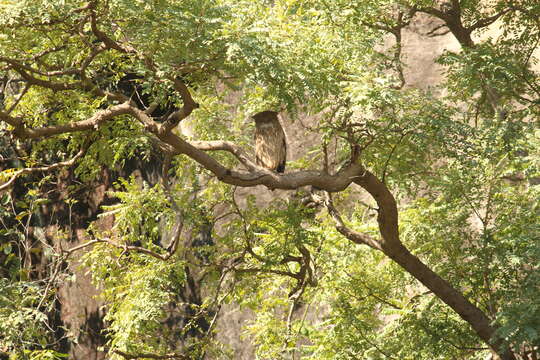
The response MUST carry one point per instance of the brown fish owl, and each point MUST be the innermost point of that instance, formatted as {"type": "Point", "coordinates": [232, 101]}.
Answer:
{"type": "Point", "coordinates": [270, 144]}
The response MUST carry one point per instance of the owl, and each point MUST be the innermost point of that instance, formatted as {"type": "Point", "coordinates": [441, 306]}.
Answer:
{"type": "Point", "coordinates": [270, 144]}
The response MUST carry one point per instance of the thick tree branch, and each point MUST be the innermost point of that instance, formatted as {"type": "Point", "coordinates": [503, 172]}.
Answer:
{"type": "Point", "coordinates": [288, 181]}
{"type": "Point", "coordinates": [189, 105]}
{"type": "Point", "coordinates": [392, 247]}
{"type": "Point", "coordinates": [432, 11]}
{"type": "Point", "coordinates": [109, 43]}
{"type": "Point", "coordinates": [452, 19]}
{"type": "Point", "coordinates": [16, 122]}
{"type": "Point", "coordinates": [489, 20]}
{"type": "Point", "coordinates": [93, 122]}
{"type": "Point", "coordinates": [292, 180]}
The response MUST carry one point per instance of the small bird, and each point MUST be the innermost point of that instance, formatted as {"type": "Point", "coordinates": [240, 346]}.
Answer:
{"type": "Point", "coordinates": [270, 144]}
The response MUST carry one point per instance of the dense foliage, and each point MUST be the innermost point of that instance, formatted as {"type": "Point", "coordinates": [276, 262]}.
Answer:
{"type": "Point", "coordinates": [123, 155]}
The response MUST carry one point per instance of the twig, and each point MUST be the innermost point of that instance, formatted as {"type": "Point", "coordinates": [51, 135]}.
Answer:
{"type": "Point", "coordinates": [50, 282]}
{"type": "Point", "coordinates": [179, 220]}
{"type": "Point", "coordinates": [125, 248]}
{"type": "Point", "coordinates": [44, 168]}
{"type": "Point", "coordinates": [383, 179]}
{"type": "Point", "coordinates": [432, 33]}
{"type": "Point", "coordinates": [352, 235]}
{"type": "Point", "coordinates": [231, 147]}
{"type": "Point", "coordinates": [19, 98]}
{"type": "Point", "coordinates": [151, 356]}
{"type": "Point", "coordinates": [219, 302]}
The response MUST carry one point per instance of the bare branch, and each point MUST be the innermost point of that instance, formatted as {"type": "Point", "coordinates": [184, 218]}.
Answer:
{"type": "Point", "coordinates": [397, 53]}
{"type": "Point", "coordinates": [151, 356]}
{"type": "Point", "coordinates": [93, 122]}
{"type": "Point", "coordinates": [47, 52]}
{"type": "Point", "coordinates": [86, 62]}
{"type": "Point", "coordinates": [43, 168]}
{"type": "Point", "coordinates": [227, 146]}
{"type": "Point", "coordinates": [79, 247]}
{"type": "Point", "coordinates": [25, 71]}
{"type": "Point", "coordinates": [139, 249]}
{"type": "Point", "coordinates": [56, 86]}
{"type": "Point", "coordinates": [489, 20]}
{"type": "Point", "coordinates": [179, 219]}
{"type": "Point", "coordinates": [19, 98]}
{"type": "Point", "coordinates": [267, 271]}
{"type": "Point", "coordinates": [85, 84]}
{"type": "Point", "coordinates": [109, 43]}
{"type": "Point", "coordinates": [19, 66]}
{"type": "Point", "coordinates": [352, 235]}
{"type": "Point", "coordinates": [290, 181]}
{"type": "Point", "coordinates": [218, 302]}
{"type": "Point", "coordinates": [402, 21]}
{"type": "Point", "coordinates": [433, 32]}
{"type": "Point", "coordinates": [257, 176]}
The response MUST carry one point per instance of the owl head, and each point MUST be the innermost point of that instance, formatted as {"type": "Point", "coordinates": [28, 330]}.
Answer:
{"type": "Point", "coordinates": [265, 117]}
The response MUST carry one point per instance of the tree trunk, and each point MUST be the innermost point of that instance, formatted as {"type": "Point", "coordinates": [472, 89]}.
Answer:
{"type": "Point", "coordinates": [393, 248]}
{"type": "Point", "coordinates": [449, 295]}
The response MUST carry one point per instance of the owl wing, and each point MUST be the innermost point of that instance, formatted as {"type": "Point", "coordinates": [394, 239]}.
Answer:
{"type": "Point", "coordinates": [281, 153]}
{"type": "Point", "coordinates": [260, 148]}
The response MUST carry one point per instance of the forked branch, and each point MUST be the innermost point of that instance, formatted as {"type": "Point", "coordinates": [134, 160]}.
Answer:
{"type": "Point", "coordinates": [354, 236]}
{"type": "Point", "coordinates": [31, 170]}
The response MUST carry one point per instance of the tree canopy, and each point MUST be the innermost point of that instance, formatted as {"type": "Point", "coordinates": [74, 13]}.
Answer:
{"type": "Point", "coordinates": [405, 228]}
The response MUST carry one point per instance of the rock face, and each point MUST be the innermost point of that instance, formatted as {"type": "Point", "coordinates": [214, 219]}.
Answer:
{"type": "Point", "coordinates": [80, 307]}
{"type": "Point", "coordinates": [420, 52]}
{"type": "Point", "coordinates": [82, 314]}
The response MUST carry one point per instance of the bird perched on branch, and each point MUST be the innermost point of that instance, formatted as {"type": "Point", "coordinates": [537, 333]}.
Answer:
{"type": "Point", "coordinates": [270, 144]}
